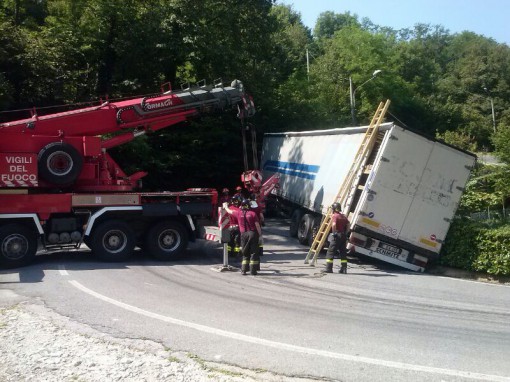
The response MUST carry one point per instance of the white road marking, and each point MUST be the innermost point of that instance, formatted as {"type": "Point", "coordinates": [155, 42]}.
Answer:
{"type": "Point", "coordinates": [474, 281]}
{"type": "Point", "coordinates": [10, 278]}
{"type": "Point", "coordinates": [289, 347]}
{"type": "Point", "coordinates": [62, 270]}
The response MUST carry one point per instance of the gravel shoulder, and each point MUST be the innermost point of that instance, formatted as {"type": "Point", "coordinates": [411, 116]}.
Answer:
{"type": "Point", "coordinates": [36, 344]}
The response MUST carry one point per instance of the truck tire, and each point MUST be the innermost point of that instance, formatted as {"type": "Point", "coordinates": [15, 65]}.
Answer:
{"type": "Point", "coordinates": [59, 163]}
{"type": "Point", "coordinates": [295, 220]}
{"type": "Point", "coordinates": [305, 229]}
{"type": "Point", "coordinates": [18, 245]}
{"type": "Point", "coordinates": [112, 240]}
{"type": "Point", "coordinates": [166, 240]}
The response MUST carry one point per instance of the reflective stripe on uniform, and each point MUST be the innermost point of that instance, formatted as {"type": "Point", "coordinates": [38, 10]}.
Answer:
{"type": "Point", "coordinates": [343, 261]}
{"type": "Point", "coordinates": [254, 262]}
{"type": "Point", "coordinates": [245, 262]}
{"type": "Point", "coordinates": [329, 260]}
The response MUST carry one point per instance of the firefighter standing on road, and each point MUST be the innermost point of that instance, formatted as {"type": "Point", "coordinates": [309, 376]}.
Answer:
{"type": "Point", "coordinates": [250, 232]}
{"type": "Point", "coordinates": [338, 239]}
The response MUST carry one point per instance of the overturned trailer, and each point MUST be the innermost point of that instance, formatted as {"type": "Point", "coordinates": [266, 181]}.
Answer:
{"type": "Point", "coordinates": [404, 201]}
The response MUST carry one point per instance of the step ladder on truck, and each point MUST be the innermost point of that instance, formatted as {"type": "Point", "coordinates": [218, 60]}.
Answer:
{"type": "Point", "coordinates": [347, 190]}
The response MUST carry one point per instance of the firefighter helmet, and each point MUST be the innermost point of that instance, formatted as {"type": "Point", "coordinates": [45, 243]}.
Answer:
{"type": "Point", "coordinates": [236, 200]}
{"type": "Point", "coordinates": [336, 207]}
{"type": "Point", "coordinates": [225, 191]}
{"type": "Point", "coordinates": [245, 204]}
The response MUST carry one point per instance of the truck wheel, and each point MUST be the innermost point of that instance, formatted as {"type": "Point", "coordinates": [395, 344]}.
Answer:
{"type": "Point", "coordinates": [112, 240]}
{"type": "Point", "coordinates": [59, 163]}
{"type": "Point", "coordinates": [166, 240]}
{"type": "Point", "coordinates": [305, 229]}
{"type": "Point", "coordinates": [18, 245]}
{"type": "Point", "coordinates": [295, 220]}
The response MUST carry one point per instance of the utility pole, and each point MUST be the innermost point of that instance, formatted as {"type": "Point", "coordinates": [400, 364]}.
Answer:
{"type": "Point", "coordinates": [492, 108]}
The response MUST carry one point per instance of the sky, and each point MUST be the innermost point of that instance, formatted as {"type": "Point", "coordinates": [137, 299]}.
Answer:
{"type": "Point", "coordinates": [490, 18]}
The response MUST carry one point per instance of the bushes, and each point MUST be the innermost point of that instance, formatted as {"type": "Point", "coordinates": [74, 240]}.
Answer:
{"type": "Point", "coordinates": [476, 246]}
{"type": "Point", "coordinates": [494, 251]}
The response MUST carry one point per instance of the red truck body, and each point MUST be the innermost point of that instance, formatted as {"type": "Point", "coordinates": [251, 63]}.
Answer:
{"type": "Point", "coordinates": [59, 187]}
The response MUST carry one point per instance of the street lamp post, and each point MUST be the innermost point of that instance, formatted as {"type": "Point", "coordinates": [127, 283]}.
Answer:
{"type": "Point", "coordinates": [352, 93]}
{"type": "Point", "coordinates": [492, 108]}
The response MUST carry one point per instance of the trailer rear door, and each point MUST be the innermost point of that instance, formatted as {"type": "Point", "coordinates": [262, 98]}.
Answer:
{"type": "Point", "coordinates": [414, 189]}
{"type": "Point", "coordinates": [437, 197]}
{"type": "Point", "coordinates": [393, 182]}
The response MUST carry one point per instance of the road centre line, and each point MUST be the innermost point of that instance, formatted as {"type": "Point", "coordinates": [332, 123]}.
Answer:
{"type": "Point", "coordinates": [289, 347]}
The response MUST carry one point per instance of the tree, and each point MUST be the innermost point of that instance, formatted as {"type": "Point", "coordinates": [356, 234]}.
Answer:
{"type": "Point", "coordinates": [329, 22]}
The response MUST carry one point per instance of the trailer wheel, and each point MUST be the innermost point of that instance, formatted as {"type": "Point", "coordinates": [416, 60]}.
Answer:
{"type": "Point", "coordinates": [295, 220]}
{"type": "Point", "coordinates": [305, 229]}
{"type": "Point", "coordinates": [18, 245]}
{"type": "Point", "coordinates": [112, 240]}
{"type": "Point", "coordinates": [166, 240]}
{"type": "Point", "coordinates": [59, 163]}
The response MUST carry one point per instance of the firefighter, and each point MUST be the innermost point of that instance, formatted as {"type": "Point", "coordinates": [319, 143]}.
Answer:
{"type": "Point", "coordinates": [249, 227]}
{"type": "Point", "coordinates": [225, 196]}
{"type": "Point", "coordinates": [239, 192]}
{"type": "Point", "coordinates": [234, 245]}
{"type": "Point", "coordinates": [337, 239]}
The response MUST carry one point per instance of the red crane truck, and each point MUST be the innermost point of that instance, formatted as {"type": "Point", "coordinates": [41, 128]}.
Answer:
{"type": "Point", "coordinates": [60, 188]}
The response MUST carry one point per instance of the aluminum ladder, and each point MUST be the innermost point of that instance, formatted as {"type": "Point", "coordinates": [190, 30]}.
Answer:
{"type": "Point", "coordinates": [346, 193]}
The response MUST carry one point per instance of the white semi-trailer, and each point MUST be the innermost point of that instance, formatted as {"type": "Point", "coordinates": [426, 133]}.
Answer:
{"type": "Point", "coordinates": [404, 201]}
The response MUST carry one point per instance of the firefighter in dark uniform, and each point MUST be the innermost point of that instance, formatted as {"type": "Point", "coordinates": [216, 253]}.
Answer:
{"type": "Point", "coordinates": [337, 239]}
{"type": "Point", "coordinates": [250, 232]}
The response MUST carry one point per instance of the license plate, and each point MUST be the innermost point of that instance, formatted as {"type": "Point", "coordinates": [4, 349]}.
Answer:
{"type": "Point", "coordinates": [391, 248]}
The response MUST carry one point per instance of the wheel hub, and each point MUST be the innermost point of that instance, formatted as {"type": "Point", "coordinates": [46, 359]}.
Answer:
{"type": "Point", "coordinates": [60, 163]}
{"type": "Point", "coordinates": [115, 241]}
{"type": "Point", "coordinates": [14, 247]}
{"type": "Point", "coordinates": [168, 240]}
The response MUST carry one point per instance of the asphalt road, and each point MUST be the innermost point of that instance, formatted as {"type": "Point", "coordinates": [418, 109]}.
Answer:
{"type": "Point", "coordinates": [377, 323]}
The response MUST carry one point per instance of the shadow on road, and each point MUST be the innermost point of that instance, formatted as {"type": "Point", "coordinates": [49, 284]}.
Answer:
{"type": "Point", "coordinates": [82, 259]}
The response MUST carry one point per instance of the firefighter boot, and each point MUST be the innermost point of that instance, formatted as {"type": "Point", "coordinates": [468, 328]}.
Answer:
{"type": "Point", "coordinates": [245, 266]}
{"type": "Point", "coordinates": [343, 267]}
{"type": "Point", "coordinates": [254, 267]}
{"type": "Point", "coordinates": [329, 266]}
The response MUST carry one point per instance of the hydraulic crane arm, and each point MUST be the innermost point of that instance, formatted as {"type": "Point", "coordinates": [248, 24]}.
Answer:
{"type": "Point", "coordinates": [66, 149]}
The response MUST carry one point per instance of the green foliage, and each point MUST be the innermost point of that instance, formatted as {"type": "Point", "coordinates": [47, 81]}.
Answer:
{"type": "Point", "coordinates": [460, 249]}
{"type": "Point", "coordinates": [474, 246]}
{"type": "Point", "coordinates": [494, 251]}
{"type": "Point", "coordinates": [501, 140]}
{"type": "Point", "coordinates": [487, 188]}
{"type": "Point", "coordinates": [458, 139]}
{"type": "Point", "coordinates": [329, 22]}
